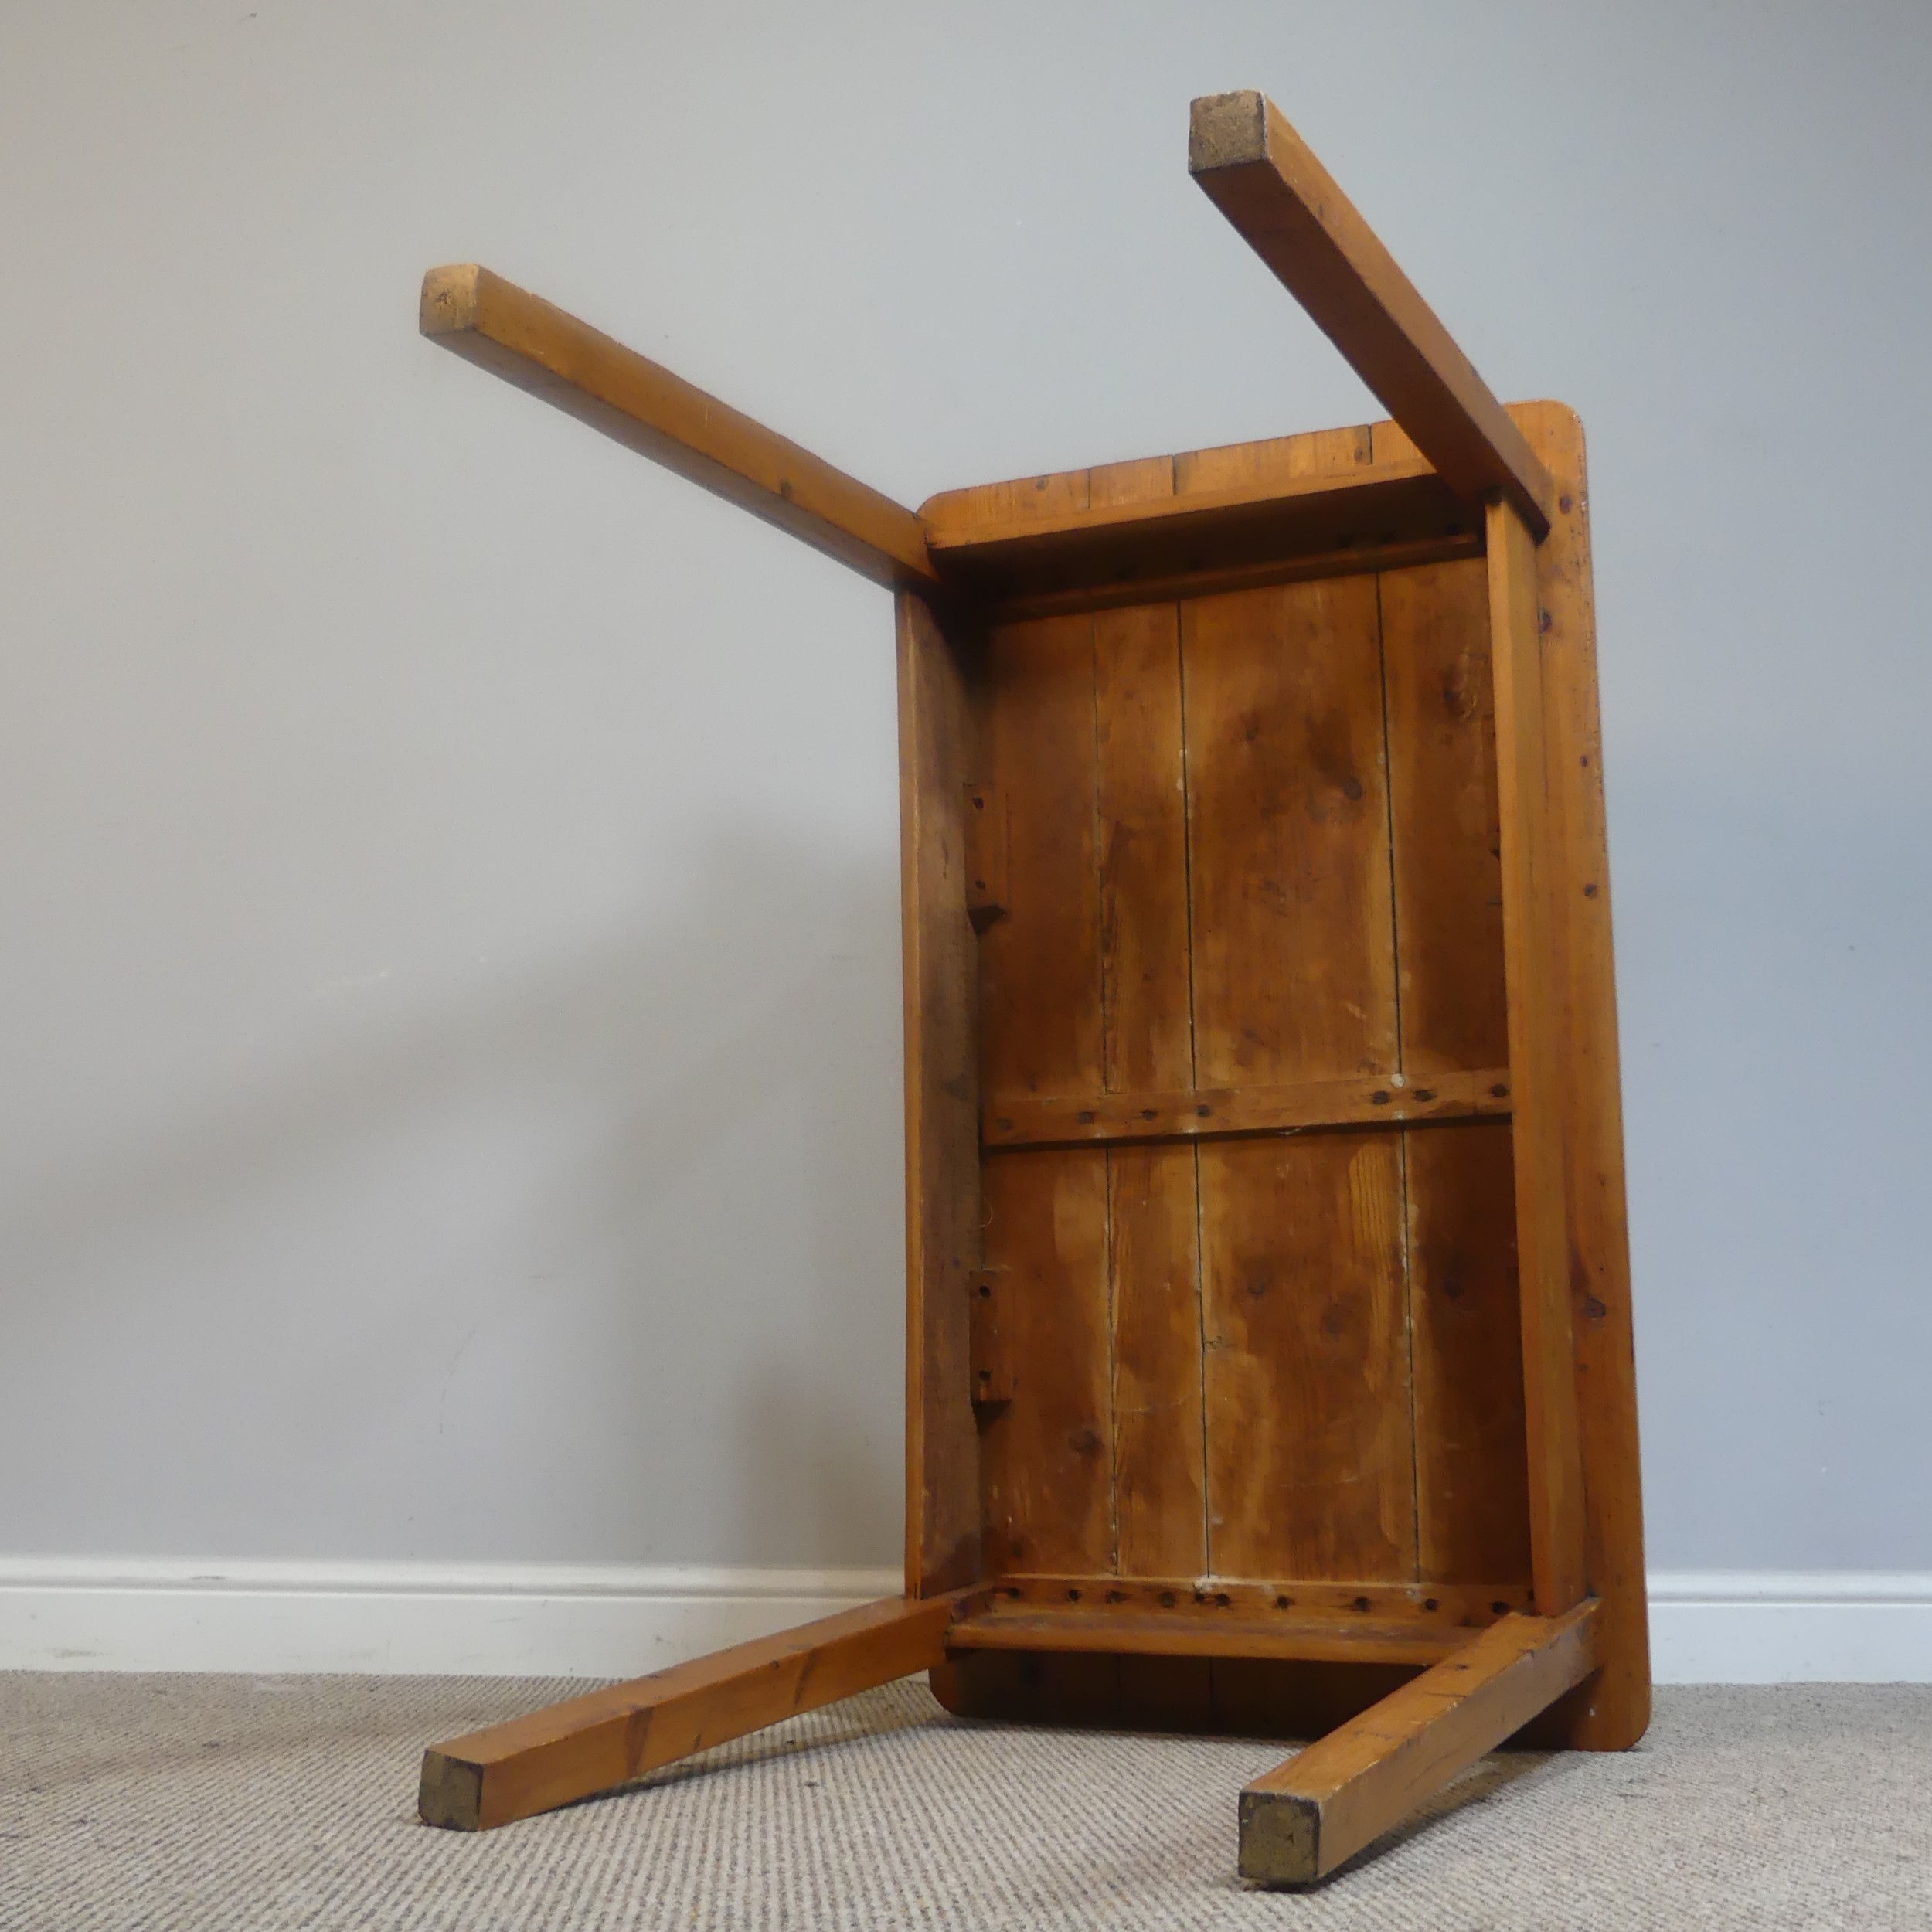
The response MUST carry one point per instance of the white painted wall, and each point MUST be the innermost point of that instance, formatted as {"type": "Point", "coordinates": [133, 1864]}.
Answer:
{"type": "Point", "coordinates": [448, 943]}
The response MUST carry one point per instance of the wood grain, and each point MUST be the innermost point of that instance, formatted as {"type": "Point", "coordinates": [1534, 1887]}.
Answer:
{"type": "Point", "coordinates": [1311, 1467]}
{"type": "Point", "coordinates": [1284, 203]}
{"type": "Point", "coordinates": [577, 369]}
{"type": "Point", "coordinates": [594, 1742]}
{"type": "Point", "coordinates": [1611, 1710]}
{"type": "Point", "coordinates": [1143, 542]}
{"type": "Point", "coordinates": [1159, 1452]}
{"type": "Point", "coordinates": [1472, 1501]}
{"type": "Point", "coordinates": [1471, 1450]}
{"type": "Point", "coordinates": [1371, 1099]}
{"type": "Point", "coordinates": [1538, 998]}
{"type": "Point", "coordinates": [1445, 818]}
{"type": "Point", "coordinates": [940, 997]}
{"type": "Point", "coordinates": [1040, 987]}
{"type": "Point", "coordinates": [1301, 1821]}
{"type": "Point", "coordinates": [1047, 1456]}
{"type": "Point", "coordinates": [1149, 1023]}
{"type": "Point", "coordinates": [1293, 965]}
{"type": "Point", "coordinates": [1455, 1611]}
{"type": "Point", "coordinates": [1310, 1634]}
{"type": "Point", "coordinates": [991, 1325]}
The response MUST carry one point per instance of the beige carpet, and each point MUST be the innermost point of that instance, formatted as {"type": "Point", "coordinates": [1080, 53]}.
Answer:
{"type": "Point", "coordinates": [212, 1803]}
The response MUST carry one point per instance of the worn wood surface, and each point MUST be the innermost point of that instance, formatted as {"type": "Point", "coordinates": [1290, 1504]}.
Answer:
{"type": "Point", "coordinates": [1368, 1100]}
{"type": "Point", "coordinates": [1254, 872]}
{"type": "Point", "coordinates": [1312, 1636]}
{"type": "Point", "coordinates": [1047, 1455]}
{"type": "Point", "coordinates": [594, 1742]}
{"type": "Point", "coordinates": [1472, 1505]}
{"type": "Point", "coordinates": [991, 1326]}
{"type": "Point", "coordinates": [1610, 1710]}
{"type": "Point", "coordinates": [1288, 836]}
{"type": "Point", "coordinates": [1262, 529]}
{"type": "Point", "coordinates": [940, 993]}
{"type": "Point", "coordinates": [1310, 1460]}
{"type": "Point", "coordinates": [578, 369]}
{"type": "Point", "coordinates": [1538, 1000]}
{"type": "Point", "coordinates": [1247, 515]}
{"type": "Point", "coordinates": [1040, 1009]}
{"type": "Point", "coordinates": [1159, 1462]}
{"type": "Point", "coordinates": [1467, 1605]}
{"type": "Point", "coordinates": [1260, 174]}
{"type": "Point", "coordinates": [1412, 1261]}
{"type": "Point", "coordinates": [1301, 1821]}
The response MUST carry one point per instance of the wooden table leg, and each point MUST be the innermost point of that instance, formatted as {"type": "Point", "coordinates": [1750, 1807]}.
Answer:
{"type": "Point", "coordinates": [1307, 1816]}
{"type": "Point", "coordinates": [574, 1749]}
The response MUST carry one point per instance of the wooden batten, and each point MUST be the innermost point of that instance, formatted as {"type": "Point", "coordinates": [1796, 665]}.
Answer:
{"type": "Point", "coordinates": [1027, 1120]}
{"type": "Point", "coordinates": [1318, 1620]}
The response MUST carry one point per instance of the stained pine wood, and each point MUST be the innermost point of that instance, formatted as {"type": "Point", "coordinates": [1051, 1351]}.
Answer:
{"type": "Point", "coordinates": [1041, 1018]}
{"type": "Point", "coordinates": [1255, 525]}
{"type": "Point", "coordinates": [1148, 1028]}
{"type": "Point", "coordinates": [992, 1327]}
{"type": "Point", "coordinates": [1472, 1510]}
{"type": "Point", "coordinates": [1610, 1710]}
{"type": "Point", "coordinates": [1534, 968]}
{"type": "Point", "coordinates": [1472, 1498]}
{"type": "Point", "coordinates": [1047, 1455]}
{"type": "Point", "coordinates": [1267, 1287]}
{"type": "Point", "coordinates": [591, 1743]}
{"type": "Point", "coordinates": [1368, 1100]}
{"type": "Point", "coordinates": [984, 831]}
{"type": "Point", "coordinates": [1454, 1610]}
{"type": "Point", "coordinates": [577, 369]}
{"type": "Point", "coordinates": [1311, 1460]}
{"type": "Point", "coordinates": [1159, 1456]}
{"type": "Point", "coordinates": [940, 996]}
{"type": "Point", "coordinates": [1445, 818]}
{"type": "Point", "coordinates": [1303, 1820]}
{"type": "Point", "coordinates": [1293, 970]}
{"type": "Point", "coordinates": [1260, 174]}
{"type": "Point", "coordinates": [1246, 515]}
{"type": "Point", "coordinates": [1312, 1636]}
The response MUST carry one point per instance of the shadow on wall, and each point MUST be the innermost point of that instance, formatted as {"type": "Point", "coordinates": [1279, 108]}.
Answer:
{"type": "Point", "coordinates": [605, 1262]}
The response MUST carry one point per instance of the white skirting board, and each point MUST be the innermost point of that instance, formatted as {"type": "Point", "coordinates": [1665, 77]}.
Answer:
{"type": "Point", "coordinates": [537, 1620]}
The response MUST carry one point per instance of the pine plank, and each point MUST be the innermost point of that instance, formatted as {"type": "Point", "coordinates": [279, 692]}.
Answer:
{"type": "Point", "coordinates": [1472, 1501]}
{"type": "Point", "coordinates": [1311, 1463]}
{"type": "Point", "coordinates": [1148, 1026]}
{"type": "Point", "coordinates": [1294, 968]}
{"type": "Point", "coordinates": [1446, 817]}
{"type": "Point", "coordinates": [1158, 1447]}
{"type": "Point", "coordinates": [1040, 987]}
{"type": "Point", "coordinates": [1047, 1455]}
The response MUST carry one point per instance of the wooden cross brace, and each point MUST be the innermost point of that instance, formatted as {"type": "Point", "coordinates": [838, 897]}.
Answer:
{"type": "Point", "coordinates": [1512, 1581]}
